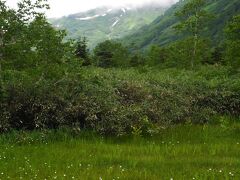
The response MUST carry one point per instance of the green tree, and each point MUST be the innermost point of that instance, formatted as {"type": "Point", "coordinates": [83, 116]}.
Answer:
{"type": "Point", "coordinates": [233, 42]}
{"type": "Point", "coordinates": [157, 55]}
{"type": "Point", "coordinates": [10, 24]}
{"type": "Point", "coordinates": [45, 41]}
{"type": "Point", "coordinates": [26, 38]}
{"type": "Point", "coordinates": [217, 55]}
{"type": "Point", "coordinates": [193, 20]}
{"type": "Point", "coordinates": [82, 51]}
{"type": "Point", "coordinates": [178, 53]}
{"type": "Point", "coordinates": [14, 23]}
{"type": "Point", "coordinates": [111, 54]}
{"type": "Point", "coordinates": [137, 59]}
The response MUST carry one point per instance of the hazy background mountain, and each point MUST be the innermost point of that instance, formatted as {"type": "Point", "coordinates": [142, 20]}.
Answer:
{"type": "Point", "coordinates": [61, 8]}
{"type": "Point", "coordinates": [141, 26]}
{"type": "Point", "coordinates": [161, 30]}
{"type": "Point", "coordinates": [108, 23]}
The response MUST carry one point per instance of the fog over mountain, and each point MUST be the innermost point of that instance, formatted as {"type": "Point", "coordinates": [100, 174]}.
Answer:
{"type": "Point", "coordinates": [65, 7]}
{"type": "Point", "coordinates": [104, 23]}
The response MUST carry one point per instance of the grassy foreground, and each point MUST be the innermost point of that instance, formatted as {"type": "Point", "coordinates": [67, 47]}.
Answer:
{"type": "Point", "coordinates": [181, 152]}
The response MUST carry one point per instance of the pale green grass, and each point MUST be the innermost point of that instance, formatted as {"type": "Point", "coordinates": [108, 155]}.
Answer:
{"type": "Point", "coordinates": [183, 152]}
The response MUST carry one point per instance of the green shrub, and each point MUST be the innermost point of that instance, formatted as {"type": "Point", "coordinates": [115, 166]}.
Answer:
{"type": "Point", "coordinates": [116, 102]}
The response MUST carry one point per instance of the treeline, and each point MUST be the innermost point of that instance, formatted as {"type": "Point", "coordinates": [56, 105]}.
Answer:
{"type": "Point", "coordinates": [194, 50]}
{"type": "Point", "coordinates": [44, 83]}
{"type": "Point", "coordinates": [27, 40]}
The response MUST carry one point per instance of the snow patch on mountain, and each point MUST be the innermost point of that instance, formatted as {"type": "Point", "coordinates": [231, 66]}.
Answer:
{"type": "Point", "coordinates": [123, 10]}
{"type": "Point", "coordinates": [116, 22]}
{"type": "Point", "coordinates": [88, 18]}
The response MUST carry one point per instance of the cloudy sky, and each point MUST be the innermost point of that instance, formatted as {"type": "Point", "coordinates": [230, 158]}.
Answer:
{"type": "Point", "coordinates": [65, 7]}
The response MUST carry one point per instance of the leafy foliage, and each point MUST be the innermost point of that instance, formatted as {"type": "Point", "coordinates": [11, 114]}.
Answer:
{"type": "Point", "coordinates": [111, 54]}
{"type": "Point", "coordinates": [27, 39]}
{"type": "Point", "coordinates": [179, 54]}
{"type": "Point", "coordinates": [233, 42]}
{"type": "Point", "coordinates": [192, 20]}
{"type": "Point", "coordinates": [125, 102]}
{"type": "Point", "coordinates": [82, 52]}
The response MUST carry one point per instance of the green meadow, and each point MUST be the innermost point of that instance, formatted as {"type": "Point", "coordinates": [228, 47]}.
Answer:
{"type": "Point", "coordinates": [179, 152]}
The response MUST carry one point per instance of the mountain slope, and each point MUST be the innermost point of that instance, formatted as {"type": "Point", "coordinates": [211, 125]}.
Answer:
{"type": "Point", "coordinates": [104, 23]}
{"type": "Point", "coordinates": [161, 30]}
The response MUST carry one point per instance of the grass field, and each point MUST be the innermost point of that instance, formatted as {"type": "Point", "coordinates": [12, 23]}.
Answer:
{"type": "Point", "coordinates": [181, 152]}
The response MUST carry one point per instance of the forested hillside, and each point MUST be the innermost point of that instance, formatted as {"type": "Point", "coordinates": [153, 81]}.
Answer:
{"type": "Point", "coordinates": [106, 23]}
{"type": "Point", "coordinates": [161, 31]}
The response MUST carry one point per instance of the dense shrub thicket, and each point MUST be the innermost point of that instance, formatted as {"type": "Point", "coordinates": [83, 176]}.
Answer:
{"type": "Point", "coordinates": [117, 102]}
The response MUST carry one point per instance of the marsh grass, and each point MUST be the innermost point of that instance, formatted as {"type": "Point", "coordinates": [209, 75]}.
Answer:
{"type": "Point", "coordinates": [179, 152]}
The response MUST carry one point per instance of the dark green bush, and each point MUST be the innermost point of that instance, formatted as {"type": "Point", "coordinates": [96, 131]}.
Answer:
{"type": "Point", "coordinates": [116, 102]}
